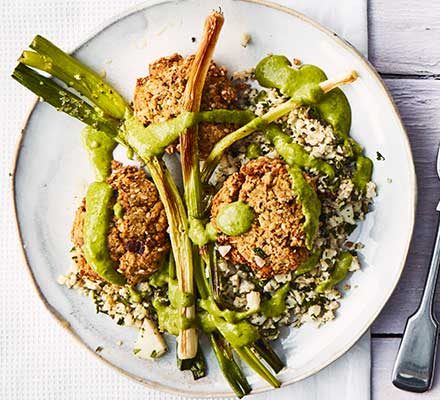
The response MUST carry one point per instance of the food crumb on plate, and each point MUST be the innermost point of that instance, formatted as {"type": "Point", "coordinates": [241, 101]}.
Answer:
{"type": "Point", "coordinates": [246, 38]}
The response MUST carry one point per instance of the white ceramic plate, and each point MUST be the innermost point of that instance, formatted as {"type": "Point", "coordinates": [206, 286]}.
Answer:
{"type": "Point", "coordinates": [52, 171]}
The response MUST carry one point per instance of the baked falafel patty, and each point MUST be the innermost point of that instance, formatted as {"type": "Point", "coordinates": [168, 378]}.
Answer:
{"type": "Point", "coordinates": [138, 238]}
{"type": "Point", "coordinates": [275, 243]}
{"type": "Point", "coordinates": [158, 97]}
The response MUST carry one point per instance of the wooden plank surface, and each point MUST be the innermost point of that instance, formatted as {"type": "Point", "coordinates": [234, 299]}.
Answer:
{"type": "Point", "coordinates": [419, 103]}
{"type": "Point", "coordinates": [404, 36]}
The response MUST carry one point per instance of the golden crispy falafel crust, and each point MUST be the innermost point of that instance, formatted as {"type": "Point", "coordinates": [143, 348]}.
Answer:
{"type": "Point", "coordinates": [159, 96]}
{"type": "Point", "coordinates": [138, 240]}
{"type": "Point", "coordinates": [266, 186]}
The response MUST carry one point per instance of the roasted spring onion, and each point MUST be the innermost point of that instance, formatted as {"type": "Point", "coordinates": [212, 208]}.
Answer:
{"type": "Point", "coordinates": [231, 371]}
{"type": "Point", "coordinates": [189, 150]}
{"type": "Point", "coordinates": [49, 58]}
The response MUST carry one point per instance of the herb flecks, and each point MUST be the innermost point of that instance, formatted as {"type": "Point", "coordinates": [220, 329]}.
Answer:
{"type": "Point", "coordinates": [260, 252]}
{"type": "Point", "coordinates": [379, 156]}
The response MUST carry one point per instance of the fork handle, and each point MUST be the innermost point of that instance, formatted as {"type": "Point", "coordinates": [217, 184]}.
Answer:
{"type": "Point", "coordinates": [414, 366]}
{"type": "Point", "coordinates": [431, 281]}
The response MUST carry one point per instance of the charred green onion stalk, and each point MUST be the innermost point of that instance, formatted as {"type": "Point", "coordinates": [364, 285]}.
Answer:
{"type": "Point", "coordinates": [60, 98]}
{"type": "Point", "coordinates": [189, 148]}
{"type": "Point", "coordinates": [182, 250]}
{"type": "Point", "coordinates": [49, 58]}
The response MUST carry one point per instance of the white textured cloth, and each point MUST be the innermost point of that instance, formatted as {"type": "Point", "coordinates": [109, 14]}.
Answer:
{"type": "Point", "coordinates": [38, 360]}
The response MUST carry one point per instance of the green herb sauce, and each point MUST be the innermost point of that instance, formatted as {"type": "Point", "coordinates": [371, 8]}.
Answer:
{"type": "Point", "coordinates": [253, 151]}
{"type": "Point", "coordinates": [231, 316]}
{"type": "Point", "coordinates": [272, 307]}
{"type": "Point", "coordinates": [339, 273]}
{"type": "Point", "coordinates": [238, 334]}
{"type": "Point", "coordinates": [168, 317]}
{"type": "Point", "coordinates": [362, 173]}
{"type": "Point", "coordinates": [118, 210]}
{"type": "Point", "coordinates": [161, 277]}
{"type": "Point", "coordinates": [135, 296]}
{"type": "Point", "coordinates": [96, 225]}
{"type": "Point", "coordinates": [201, 234]}
{"type": "Point", "coordinates": [151, 140]}
{"type": "Point", "coordinates": [235, 218]}
{"type": "Point", "coordinates": [100, 148]}
{"type": "Point", "coordinates": [308, 264]}
{"type": "Point", "coordinates": [177, 297]}
{"type": "Point", "coordinates": [294, 154]}
{"type": "Point", "coordinates": [310, 204]}
{"type": "Point", "coordinates": [236, 117]}
{"type": "Point", "coordinates": [302, 85]}
{"type": "Point", "coordinates": [276, 305]}
{"type": "Point", "coordinates": [232, 324]}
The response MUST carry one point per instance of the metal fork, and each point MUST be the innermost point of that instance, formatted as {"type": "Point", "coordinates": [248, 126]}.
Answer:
{"type": "Point", "coordinates": [414, 366]}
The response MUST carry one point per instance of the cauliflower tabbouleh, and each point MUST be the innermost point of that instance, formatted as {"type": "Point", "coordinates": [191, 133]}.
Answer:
{"type": "Point", "coordinates": [241, 289]}
{"type": "Point", "coordinates": [245, 287]}
{"type": "Point", "coordinates": [125, 306]}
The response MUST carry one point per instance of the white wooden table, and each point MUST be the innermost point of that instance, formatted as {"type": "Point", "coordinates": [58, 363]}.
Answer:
{"type": "Point", "coordinates": [405, 48]}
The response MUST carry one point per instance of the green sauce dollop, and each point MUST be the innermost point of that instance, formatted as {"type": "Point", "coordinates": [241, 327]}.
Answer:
{"type": "Point", "coordinates": [201, 234]}
{"type": "Point", "coordinates": [161, 277]}
{"type": "Point", "coordinates": [151, 141]}
{"type": "Point", "coordinates": [363, 172]}
{"type": "Point", "coordinates": [253, 151]}
{"type": "Point", "coordinates": [135, 296]}
{"type": "Point", "coordinates": [302, 85]}
{"type": "Point", "coordinates": [235, 218]}
{"type": "Point", "coordinates": [294, 153]}
{"type": "Point", "coordinates": [308, 264]}
{"type": "Point", "coordinates": [276, 305]}
{"type": "Point", "coordinates": [310, 204]}
{"type": "Point", "coordinates": [239, 334]}
{"type": "Point", "coordinates": [231, 316]}
{"type": "Point", "coordinates": [168, 317]}
{"type": "Point", "coordinates": [339, 273]}
{"type": "Point", "coordinates": [170, 320]}
{"type": "Point", "coordinates": [272, 307]}
{"type": "Point", "coordinates": [96, 225]}
{"type": "Point", "coordinates": [118, 210]}
{"type": "Point", "coordinates": [177, 297]}
{"type": "Point", "coordinates": [100, 148]}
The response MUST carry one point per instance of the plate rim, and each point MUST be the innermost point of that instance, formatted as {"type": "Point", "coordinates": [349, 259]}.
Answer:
{"type": "Point", "coordinates": [413, 182]}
